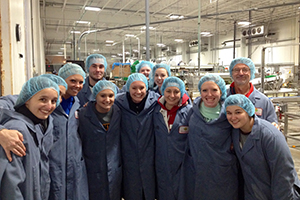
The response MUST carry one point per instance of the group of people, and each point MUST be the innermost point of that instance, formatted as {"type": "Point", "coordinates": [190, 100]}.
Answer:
{"type": "Point", "coordinates": [75, 137]}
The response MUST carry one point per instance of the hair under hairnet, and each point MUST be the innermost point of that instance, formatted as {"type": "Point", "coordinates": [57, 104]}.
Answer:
{"type": "Point", "coordinates": [173, 81]}
{"type": "Point", "coordinates": [33, 86]}
{"type": "Point", "coordinates": [70, 69]}
{"type": "Point", "coordinates": [241, 101]}
{"type": "Point", "coordinates": [142, 64]}
{"type": "Point", "coordinates": [152, 74]}
{"type": "Point", "coordinates": [95, 58]}
{"type": "Point", "coordinates": [103, 85]}
{"type": "Point", "coordinates": [246, 61]}
{"type": "Point", "coordinates": [216, 79]}
{"type": "Point", "coordinates": [136, 77]}
{"type": "Point", "coordinates": [57, 79]}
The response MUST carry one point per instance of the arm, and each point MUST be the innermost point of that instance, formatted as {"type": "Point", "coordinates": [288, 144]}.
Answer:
{"type": "Point", "coordinates": [12, 141]}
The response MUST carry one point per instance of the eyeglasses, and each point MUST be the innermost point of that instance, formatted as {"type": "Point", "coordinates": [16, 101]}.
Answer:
{"type": "Point", "coordinates": [237, 70]}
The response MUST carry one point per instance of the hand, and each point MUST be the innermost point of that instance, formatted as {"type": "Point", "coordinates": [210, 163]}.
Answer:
{"type": "Point", "coordinates": [276, 125]}
{"type": "Point", "coordinates": [12, 141]}
{"type": "Point", "coordinates": [85, 105]}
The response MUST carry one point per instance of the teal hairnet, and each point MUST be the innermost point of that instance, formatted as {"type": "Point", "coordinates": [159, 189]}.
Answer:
{"type": "Point", "coordinates": [241, 101]}
{"type": "Point", "coordinates": [136, 77]}
{"type": "Point", "coordinates": [33, 86]}
{"type": "Point", "coordinates": [173, 81]}
{"type": "Point", "coordinates": [216, 79]}
{"type": "Point", "coordinates": [152, 74]}
{"type": "Point", "coordinates": [142, 64]}
{"type": "Point", "coordinates": [102, 85]}
{"type": "Point", "coordinates": [95, 58]}
{"type": "Point", "coordinates": [246, 61]}
{"type": "Point", "coordinates": [57, 79]}
{"type": "Point", "coordinates": [70, 69]}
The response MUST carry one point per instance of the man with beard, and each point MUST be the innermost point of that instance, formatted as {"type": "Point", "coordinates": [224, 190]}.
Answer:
{"type": "Point", "coordinates": [95, 66]}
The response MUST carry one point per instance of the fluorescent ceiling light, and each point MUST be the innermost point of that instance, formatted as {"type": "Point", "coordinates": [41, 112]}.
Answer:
{"type": "Point", "coordinates": [109, 41]}
{"type": "Point", "coordinates": [83, 22]}
{"type": "Point", "coordinates": [127, 52]}
{"type": "Point", "coordinates": [134, 50]}
{"type": "Point", "coordinates": [129, 35]}
{"type": "Point", "coordinates": [62, 48]}
{"type": "Point", "coordinates": [178, 40]}
{"type": "Point", "coordinates": [120, 54]}
{"type": "Point", "coordinates": [150, 27]}
{"type": "Point", "coordinates": [113, 56]}
{"type": "Point", "coordinates": [244, 23]}
{"type": "Point", "coordinates": [205, 33]}
{"type": "Point", "coordinates": [59, 53]}
{"type": "Point", "coordinates": [92, 8]}
{"type": "Point", "coordinates": [175, 16]}
{"type": "Point", "coordinates": [76, 32]}
{"type": "Point", "coordinates": [96, 50]}
{"type": "Point", "coordinates": [160, 44]}
{"type": "Point", "coordinates": [108, 45]}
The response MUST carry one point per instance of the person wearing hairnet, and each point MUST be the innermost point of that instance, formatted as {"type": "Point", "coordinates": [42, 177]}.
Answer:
{"type": "Point", "coordinates": [99, 130]}
{"type": "Point", "coordinates": [28, 177]}
{"type": "Point", "coordinates": [242, 71]}
{"type": "Point", "coordinates": [144, 67]}
{"type": "Point", "coordinates": [137, 138]}
{"type": "Point", "coordinates": [170, 120]}
{"type": "Point", "coordinates": [209, 142]}
{"type": "Point", "coordinates": [95, 66]}
{"type": "Point", "coordinates": [67, 166]}
{"type": "Point", "coordinates": [263, 153]}
{"type": "Point", "coordinates": [12, 140]}
{"type": "Point", "coordinates": [157, 77]}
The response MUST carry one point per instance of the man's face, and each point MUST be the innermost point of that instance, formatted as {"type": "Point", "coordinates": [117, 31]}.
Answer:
{"type": "Point", "coordinates": [241, 74]}
{"type": "Point", "coordinates": [96, 71]}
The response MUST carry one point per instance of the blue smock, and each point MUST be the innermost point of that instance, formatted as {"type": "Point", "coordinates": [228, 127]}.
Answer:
{"type": "Point", "coordinates": [266, 163]}
{"type": "Point", "coordinates": [264, 108]}
{"type": "Point", "coordinates": [67, 167]}
{"type": "Point", "coordinates": [85, 94]}
{"type": "Point", "coordinates": [8, 101]}
{"type": "Point", "coordinates": [169, 151]}
{"type": "Point", "coordinates": [216, 174]}
{"type": "Point", "coordinates": [137, 142]}
{"type": "Point", "coordinates": [102, 153]}
{"type": "Point", "coordinates": [26, 177]}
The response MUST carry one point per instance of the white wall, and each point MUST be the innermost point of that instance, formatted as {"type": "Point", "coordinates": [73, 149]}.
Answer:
{"type": "Point", "coordinates": [20, 57]}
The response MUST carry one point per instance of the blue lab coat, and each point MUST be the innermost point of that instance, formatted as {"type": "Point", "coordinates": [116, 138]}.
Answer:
{"type": "Point", "coordinates": [137, 141]}
{"type": "Point", "coordinates": [263, 106]}
{"type": "Point", "coordinates": [67, 167]}
{"type": "Point", "coordinates": [169, 151]}
{"type": "Point", "coordinates": [266, 163]}
{"type": "Point", "coordinates": [26, 177]}
{"type": "Point", "coordinates": [8, 101]}
{"type": "Point", "coordinates": [102, 153]}
{"type": "Point", "coordinates": [216, 175]}
{"type": "Point", "coordinates": [85, 95]}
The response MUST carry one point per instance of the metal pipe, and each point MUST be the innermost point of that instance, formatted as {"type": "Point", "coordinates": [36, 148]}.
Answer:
{"type": "Point", "coordinates": [123, 50]}
{"type": "Point", "coordinates": [234, 39]}
{"type": "Point", "coordinates": [199, 34]}
{"type": "Point", "coordinates": [74, 46]}
{"type": "Point", "coordinates": [147, 30]}
{"type": "Point", "coordinates": [250, 37]}
{"type": "Point", "coordinates": [262, 69]}
{"type": "Point", "coordinates": [298, 56]}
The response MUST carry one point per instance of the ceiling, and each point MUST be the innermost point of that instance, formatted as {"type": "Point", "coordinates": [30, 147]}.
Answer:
{"type": "Point", "coordinates": [120, 17]}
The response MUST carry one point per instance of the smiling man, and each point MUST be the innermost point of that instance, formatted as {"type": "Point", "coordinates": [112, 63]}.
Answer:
{"type": "Point", "coordinates": [242, 71]}
{"type": "Point", "coordinates": [96, 66]}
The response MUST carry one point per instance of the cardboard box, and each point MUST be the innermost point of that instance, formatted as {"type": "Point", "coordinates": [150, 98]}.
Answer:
{"type": "Point", "coordinates": [121, 71]}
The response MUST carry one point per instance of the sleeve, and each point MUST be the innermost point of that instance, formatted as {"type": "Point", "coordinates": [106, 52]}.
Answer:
{"type": "Point", "coordinates": [271, 114]}
{"type": "Point", "coordinates": [280, 163]}
{"type": "Point", "coordinates": [11, 178]}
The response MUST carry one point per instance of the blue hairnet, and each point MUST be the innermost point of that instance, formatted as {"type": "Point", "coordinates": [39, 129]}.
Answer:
{"type": "Point", "coordinates": [246, 61]}
{"type": "Point", "coordinates": [216, 79]}
{"type": "Point", "coordinates": [102, 85]}
{"type": "Point", "coordinates": [142, 64]}
{"type": "Point", "coordinates": [241, 101]}
{"type": "Point", "coordinates": [95, 58]}
{"type": "Point", "coordinates": [33, 86]}
{"type": "Point", "coordinates": [173, 81]}
{"type": "Point", "coordinates": [57, 79]}
{"type": "Point", "coordinates": [152, 74]}
{"type": "Point", "coordinates": [70, 69]}
{"type": "Point", "coordinates": [136, 77]}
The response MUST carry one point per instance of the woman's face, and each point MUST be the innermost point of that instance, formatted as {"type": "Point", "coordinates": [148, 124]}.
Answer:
{"type": "Point", "coordinates": [137, 91]}
{"type": "Point", "coordinates": [160, 75]}
{"type": "Point", "coordinates": [210, 94]}
{"type": "Point", "coordinates": [75, 84]}
{"type": "Point", "coordinates": [104, 100]}
{"type": "Point", "coordinates": [172, 97]}
{"type": "Point", "coordinates": [43, 103]}
{"type": "Point", "coordinates": [146, 71]}
{"type": "Point", "coordinates": [237, 117]}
